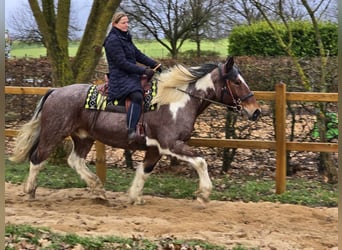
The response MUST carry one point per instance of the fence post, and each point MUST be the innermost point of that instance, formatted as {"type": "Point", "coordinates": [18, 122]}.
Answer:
{"type": "Point", "coordinates": [280, 134]}
{"type": "Point", "coordinates": [100, 161]}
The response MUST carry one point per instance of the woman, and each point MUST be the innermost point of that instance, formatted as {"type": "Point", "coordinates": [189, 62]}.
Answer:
{"type": "Point", "coordinates": [124, 73]}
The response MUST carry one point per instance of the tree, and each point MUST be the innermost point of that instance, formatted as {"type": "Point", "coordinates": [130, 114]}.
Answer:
{"type": "Point", "coordinates": [172, 22]}
{"type": "Point", "coordinates": [314, 11]}
{"type": "Point", "coordinates": [24, 27]}
{"type": "Point", "coordinates": [53, 18]}
{"type": "Point", "coordinates": [245, 12]}
{"type": "Point", "coordinates": [202, 13]}
{"type": "Point", "coordinates": [327, 164]}
{"type": "Point", "coordinates": [240, 12]}
{"type": "Point", "coordinates": [162, 20]}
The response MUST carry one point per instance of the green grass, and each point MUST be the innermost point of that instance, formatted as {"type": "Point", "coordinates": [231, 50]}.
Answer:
{"type": "Point", "coordinates": [156, 50]}
{"type": "Point", "coordinates": [150, 48]}
{"type": "Point", "coordinates": [299, 191]}
{"type": "Point", "coordinates": [21, 236]}
{"type": "Point", "coordinates": [20, 50]}
{"type": "Point", "coordinates": [28, 237]}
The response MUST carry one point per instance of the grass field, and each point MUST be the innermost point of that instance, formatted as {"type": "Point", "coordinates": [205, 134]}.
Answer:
{"type": "Point", "coordinates": [150, 48]}
{"type": "Point", "coordinates": [299, 191]}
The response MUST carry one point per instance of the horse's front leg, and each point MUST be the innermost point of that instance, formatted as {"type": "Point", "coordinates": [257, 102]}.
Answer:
{"type": "Point", "coordinates": [184, 152]}
{"type": "Point", "coordinates": [143, 171]}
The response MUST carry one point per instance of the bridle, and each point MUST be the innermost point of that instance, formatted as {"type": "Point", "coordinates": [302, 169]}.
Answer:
{"type": "Point", "coordinates": [227, 90]}
{"type": "Point", "coordinates": [237, 107]}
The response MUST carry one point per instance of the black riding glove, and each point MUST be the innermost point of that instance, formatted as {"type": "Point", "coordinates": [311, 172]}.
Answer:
{"type": "Point", "coordinates": [149, 73]}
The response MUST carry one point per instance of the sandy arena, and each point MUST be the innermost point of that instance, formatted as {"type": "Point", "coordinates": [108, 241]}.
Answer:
{"type": "Point", "coordinates": [263, 225]}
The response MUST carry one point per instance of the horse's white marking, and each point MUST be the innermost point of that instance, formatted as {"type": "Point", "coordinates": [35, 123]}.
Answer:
{"type": "Point", "coordinates": [31, 181]}
{"type": "Point", "coordinates": [202, 84]}
{"type": "Point", "coordinates": [242, 80]}
{"type": "Point", "coordinates": [82, 134]}
{"type": "Point", "coordinates": [205, 185]}
{"type": "Point", "coordinates": [79, 164]}
{"type": "Point", "coordinates": [135, 191]}
{"type": "Point", "coordinates": [175, 106]}
{"type": "Point", "coordinates": [205, 83]}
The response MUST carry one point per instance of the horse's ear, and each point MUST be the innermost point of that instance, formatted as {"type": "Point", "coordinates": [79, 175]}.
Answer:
{"type": "Point", "coordinates": [229, 63]}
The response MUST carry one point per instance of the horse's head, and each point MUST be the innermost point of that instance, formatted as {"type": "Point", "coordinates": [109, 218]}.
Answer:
{"type": "Point", "coordinates": [232, 90]}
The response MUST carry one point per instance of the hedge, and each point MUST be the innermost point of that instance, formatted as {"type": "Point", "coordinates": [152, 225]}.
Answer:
{"type": "Point", "coordinates": [259, 39]}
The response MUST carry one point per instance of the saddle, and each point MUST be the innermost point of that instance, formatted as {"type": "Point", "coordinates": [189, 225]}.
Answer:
{"type": "Point", "coordinates": [97, 100]}
{"type": "Point", "coordinates": [149, 86]}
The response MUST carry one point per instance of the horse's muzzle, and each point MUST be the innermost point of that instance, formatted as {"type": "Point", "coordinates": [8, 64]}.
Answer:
{"type": "Point", "coordinates": [255, 115]}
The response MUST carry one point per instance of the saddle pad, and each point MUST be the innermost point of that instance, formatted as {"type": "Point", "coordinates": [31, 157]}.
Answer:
{"type": "Point", "coordinates": [95, 100]}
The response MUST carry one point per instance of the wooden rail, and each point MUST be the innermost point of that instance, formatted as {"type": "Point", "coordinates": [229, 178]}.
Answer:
{"type": "Point", "coordinates": [280, 145]}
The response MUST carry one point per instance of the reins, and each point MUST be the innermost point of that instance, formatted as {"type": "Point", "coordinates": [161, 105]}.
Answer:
{"type": "Point", "coordinates": [205, 99]}
{"type": "Point", "coordinates": [237, 107]}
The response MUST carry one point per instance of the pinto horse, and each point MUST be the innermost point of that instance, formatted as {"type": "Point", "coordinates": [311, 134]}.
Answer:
{"type": "Point", "coordinates": [183, 94]}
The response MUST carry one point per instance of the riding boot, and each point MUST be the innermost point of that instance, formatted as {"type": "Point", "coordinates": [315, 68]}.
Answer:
{"type": "Point", "coordinates": [133, 116]}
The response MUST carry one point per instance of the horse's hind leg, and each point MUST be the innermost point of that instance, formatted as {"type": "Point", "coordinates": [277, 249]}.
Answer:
{"type": "Point", "coordinates": [76, 160]}
{"type": "Point", "coordinates": [143, 171]}
{"type": "Point", "coordinates": [40, 153]}
{"type": "Point", "coordinates": [30, 184]}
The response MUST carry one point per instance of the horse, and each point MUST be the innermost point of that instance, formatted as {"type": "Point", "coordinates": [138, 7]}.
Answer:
{"type": "Point", "coordinates": [183, 94]}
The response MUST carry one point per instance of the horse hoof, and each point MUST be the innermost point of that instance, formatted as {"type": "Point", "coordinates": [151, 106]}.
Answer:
{"type": "Point", "coordinates": [203, 202]}
{"type": "Point", "coordinates": [202, 198]}
{"type": "Point", "coordinates": [32, 196]}
{"type": "Point", "coordinates": [99, 195]}
{"type": "Point", "coordinates": [30, 192]}
{"type": "Point", "coordinates": [138, 201]}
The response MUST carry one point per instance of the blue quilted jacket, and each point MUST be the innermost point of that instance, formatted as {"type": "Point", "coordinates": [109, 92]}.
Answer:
{"type": "Point", "coordinates": [122, 57]}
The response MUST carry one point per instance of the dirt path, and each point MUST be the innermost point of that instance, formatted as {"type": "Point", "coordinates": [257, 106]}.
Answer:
{"type": "Point", "coordinates": [264, 225]}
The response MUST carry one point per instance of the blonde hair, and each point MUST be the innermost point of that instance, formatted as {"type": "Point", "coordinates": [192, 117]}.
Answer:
{"type": "Point", "coordinates": [117, 16]}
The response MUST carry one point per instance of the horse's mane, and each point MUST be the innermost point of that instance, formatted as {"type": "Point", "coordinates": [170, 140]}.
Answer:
{"type": "Point", "coordinates": [178, 77]}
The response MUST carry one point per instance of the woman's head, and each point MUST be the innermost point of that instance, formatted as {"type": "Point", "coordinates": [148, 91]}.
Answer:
{"type": "Point", "coordinates": [120, 21]}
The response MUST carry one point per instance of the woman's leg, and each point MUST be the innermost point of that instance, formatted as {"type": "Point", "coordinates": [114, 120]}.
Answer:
{"type": "Point", "coordinates": [133, 114]}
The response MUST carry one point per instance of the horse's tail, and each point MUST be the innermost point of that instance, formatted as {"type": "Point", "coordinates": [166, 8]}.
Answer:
{"type": "Point", "coordinates": [28, 136]}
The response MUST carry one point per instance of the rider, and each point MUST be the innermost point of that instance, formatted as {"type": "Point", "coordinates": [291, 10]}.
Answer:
{"type": "Point", "coordinates": [124, 72]}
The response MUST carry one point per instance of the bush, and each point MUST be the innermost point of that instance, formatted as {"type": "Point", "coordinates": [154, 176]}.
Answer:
{"type": "Point", "coordinates": [331, 125]}
{"type": "Point", "coordinates": [259, 39]}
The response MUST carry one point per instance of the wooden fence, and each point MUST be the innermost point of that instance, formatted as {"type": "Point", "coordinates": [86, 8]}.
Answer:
{"type": "Point", "coordinates": [280, 145]}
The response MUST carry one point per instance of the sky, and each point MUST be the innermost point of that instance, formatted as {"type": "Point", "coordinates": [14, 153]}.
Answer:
{"type": "Point", "coordinates": [82, 7]}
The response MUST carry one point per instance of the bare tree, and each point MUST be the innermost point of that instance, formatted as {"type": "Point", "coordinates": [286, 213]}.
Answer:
{"type": "Point", "coordinates": [245, 11]}
{"type": "Point", "coordinates": [24, 27]}
{"type": "Point", "coordinates": [172, 22]}
{"type": "Point", "coordinates": [53, 20]}
{"type": "Point", "coordinates": [202, 16]}
{"type": "Point", "coordinates": [327, 164]}
{"type": "Point", "coordinates": [240, 12]}
{"type": "Point", "coordinates": [314, 12]}
{"type": "Point", "coordinates": [163, 20]}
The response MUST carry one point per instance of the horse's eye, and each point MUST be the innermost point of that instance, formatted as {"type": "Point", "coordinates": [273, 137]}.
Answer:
{"type": "Point", "coordinates": [237, 82]}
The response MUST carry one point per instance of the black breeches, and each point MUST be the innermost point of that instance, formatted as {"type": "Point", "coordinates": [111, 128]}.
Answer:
{"type": "Point", "coordinates": [136, 97]}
